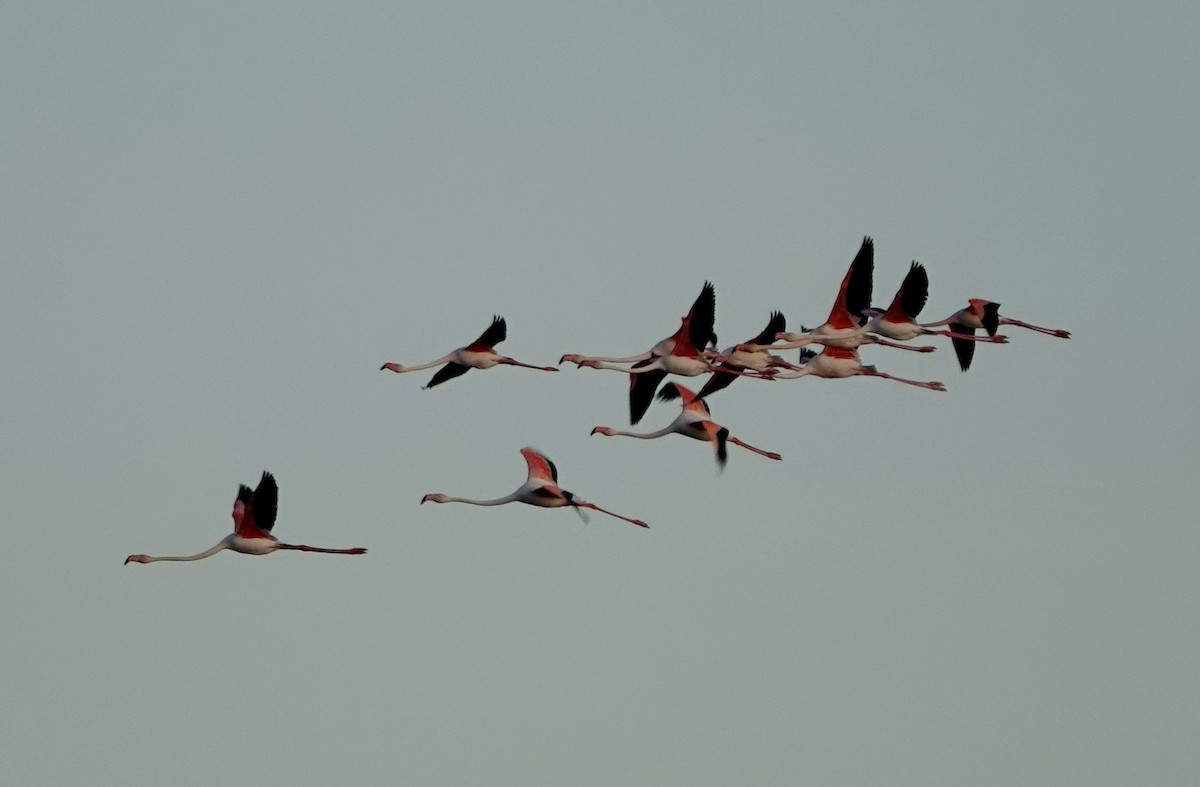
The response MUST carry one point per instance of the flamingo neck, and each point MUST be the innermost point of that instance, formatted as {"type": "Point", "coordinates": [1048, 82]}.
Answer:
{"type": "Point", "coordinates": [197, 556]}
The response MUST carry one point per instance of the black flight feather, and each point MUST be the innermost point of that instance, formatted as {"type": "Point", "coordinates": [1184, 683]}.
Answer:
{"type": "Point", "coordinates": [448, 372]}
{"type": "Point", "coordinates": [266, 503]}
{"type": "Point", "coordinates": [915, 290]}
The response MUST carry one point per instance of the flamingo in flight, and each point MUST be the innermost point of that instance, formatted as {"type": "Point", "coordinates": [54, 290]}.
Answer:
{"type": "Point", "coordinates": [899, 321]}
{"type": "Point", "coordinates": [644, 376]}
{"type": "Point", "coordinates": [540, 489]}
{"type": "Point", "coordinates": [843, 326]}
{"type": "Point", "coordinates": [694, 421]}
{"type": "Point", "coordinates": [476, 355]}
{"type": "Point", "coordinates": [253, 517]}
{"type": "Point", "coordinates": [984, 314]}
{"type": "Point", "coordinates": [753, 355]}
{"type": "Point", "coordinates": [686, 357]}
{"type": "Point", "coordinates": [836, 362]}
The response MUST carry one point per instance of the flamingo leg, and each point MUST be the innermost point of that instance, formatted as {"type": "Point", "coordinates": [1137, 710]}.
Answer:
{"type": "Point", "coordinates": [767, 454]}
{"type": "Point", "coordinates": [933, 386]}
{"type": "Point", "coordinates": [512, 362]}
{"type": "Point", "coordinates": [595, 507]}
{"type": "Point", "coordinates": [925, 348]}
{"type": "Point", "coordinates": [1048, 331]}
{"type": "Point", "coordinates": [306, 548]}
{"type": "Point", "coordinates": [970, 337]}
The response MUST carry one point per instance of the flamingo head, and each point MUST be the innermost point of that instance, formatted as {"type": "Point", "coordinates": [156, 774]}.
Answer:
{"type": "Point", "coordinates": [436, 497]}
{"type": "Point", "coordinates": [570, 358]}
{"type": "Point", "coordinates": [604, 430]}
{"type": "Point", "coordinates": [137, 559]}
{"type": "Point", "coordinates": [394, 367]}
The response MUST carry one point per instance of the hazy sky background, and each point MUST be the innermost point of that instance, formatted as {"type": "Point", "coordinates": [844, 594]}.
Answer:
{"type": "Point", "coordinates": [217, 222]}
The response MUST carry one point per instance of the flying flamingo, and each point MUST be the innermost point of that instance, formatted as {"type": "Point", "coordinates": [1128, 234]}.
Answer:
{"type": "Point", "coordinates": [983, 314]}
{"type": "Point", "coordinates": [694, 422]}
{"type": "Point", "coordinates": [843, 328]}
{"type": "Point", "coordinates": [854, 295]}
{"type": "Point", "coordinates": [753, 355]}
{"type": "Point", "coordinates": [644, 375]}
{"type": "Point", "coordinates": [476, 355]}
{"type": "Point", "coordinates": [705, 304]}
{"type": "Point", "coordinates": [687, 357]}
{"type": "Point", "coordinates": [540, 489]}
{"type": "Point", "coordinates": [836, 362]}
{"type": "Point", "coordinates": [253, 517]}
{"type": "Point", "coordinates": [899, 321]}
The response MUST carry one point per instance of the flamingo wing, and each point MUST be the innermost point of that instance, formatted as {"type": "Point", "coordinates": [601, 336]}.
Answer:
{"type": "Point", "coordinates": [991, 318]}
{"type": "Point", "coordinates": [910, 298]}
{"type": "Point", "coordinates": [641, 390]}
{"type": "Point", "coordinates": [963, 348]}
{"type": "Point", "coordinates": [266, 502]}
{"type": "Point", "coordinates": [447, 372]}
{"type": "Point", "coordinates": [700, 319]}
{"type": "Point", "coordinates": [259, 510]}
{"type": "Point", "coordinates": [776, 324]}
{"type": "Point", "coordinates": [854, 295]}
{"type": "Point", "coordinates": [495, 333]}
{"type": "Point", "coordinates": [241, 504]}
{"type": "Point", "coordinates": [717, 381]}
{"type": "Point", "coordinates": [673, 391]}
{"type": "Point", "coordinates": [540, 467]}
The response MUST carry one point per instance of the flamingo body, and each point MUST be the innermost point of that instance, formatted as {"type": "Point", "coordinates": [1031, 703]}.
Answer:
{"type": "Point", "coordinates": [693, 421]}
{"type": "Point", "coordinates": [254, 513]}
{"type": "Point", "coordinates": [479, 354]}
{"type": "Point", "coordinates": [540, 489]}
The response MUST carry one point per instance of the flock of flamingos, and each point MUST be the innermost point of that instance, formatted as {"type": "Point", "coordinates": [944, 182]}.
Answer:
{"type": "Point", "coordinates": [689, 352]}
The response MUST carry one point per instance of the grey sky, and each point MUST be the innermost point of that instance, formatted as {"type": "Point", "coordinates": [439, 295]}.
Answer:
{"type": "Point", "coordinates": [218, 222]}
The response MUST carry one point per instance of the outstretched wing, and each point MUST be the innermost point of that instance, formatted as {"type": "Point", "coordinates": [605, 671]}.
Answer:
{"type": "Point", "coordinates": [673, 391]}
{"type": "Point", "coordinates": [447, 372]}
{"type": "Point", "coordinates": [266, 502]}
{"type": "Point", "coordinates": [854, 294]}
{"type": "Point", "coordinates": [495, 333]}
{"type": "Point", "coordinates": [240, 505]}
{"type": "Point", "coordinates": [991, 318]}
{"type": "Point", "coordinates": [702, 316]}
{"type": "Point", "coordinates": [259, 508]}
{"type": "Point", "coordinates": [910, 298]}
{"type": "Point", "coordinates": [641, 390]}
{"type": "Point", "coordinates": [540, 468]}
{"type": "Point", "coordinates": [775, 325]}
{"type": "Point", "coordinates": [963, 348]}
{"type": "Point", "coordinates": [861, 279]}
{"type": "Point", "coordinates": [718, 381]}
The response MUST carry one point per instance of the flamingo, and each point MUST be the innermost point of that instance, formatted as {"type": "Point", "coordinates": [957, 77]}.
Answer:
{"type": "Point", "coordinates": [644, 376]}
{"type": "Point", "coordinates": [853, 296]}
{"type": "Point", "coordinates": [686, 357]}
{"type": "Point", "coordinates": [836, 362]}
{"type": "Point", "coordinates": [253, 517]}
{"type": "Point", "coordinates": [694, 422]}
{"type": "Point", "coordinates": [843, 328]}
{"type": "Point", "coordinates": [899, 321]}
{"type": "Point", "coordinates": [981, 313]}
{"type": "Point", "coordinates": [540, 489]}
{"type": "Point", "coordinates": [742, 357]}
{"type": "Point", "coordinates": [476, 355]}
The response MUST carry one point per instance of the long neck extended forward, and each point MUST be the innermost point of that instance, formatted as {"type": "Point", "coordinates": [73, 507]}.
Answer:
{"type": "Point", "coordinates": [197, 556]}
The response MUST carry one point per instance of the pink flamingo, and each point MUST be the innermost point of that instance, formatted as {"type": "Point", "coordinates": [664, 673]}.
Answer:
{"type": "Point", "coordinates": [694, 422]}
{"type": "Point", "coordinates": [253, 517]}
{"type": "Point", "coordinates": [540, 489]}
{"type": "Point", "coordinates": [984, 314]}
{"type": "Point", "coordinates": [476, 355]}
{"type": "Point", "coordinates": [836, 362]}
